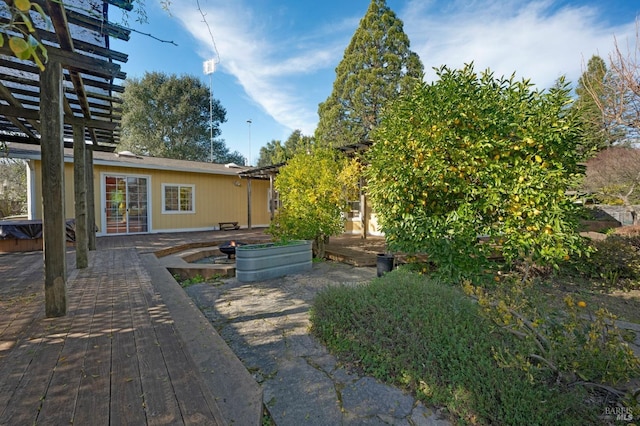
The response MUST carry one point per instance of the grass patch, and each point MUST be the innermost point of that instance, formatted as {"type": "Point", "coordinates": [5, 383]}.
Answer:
{"type": "Point", "coordinates": [431, 339]}
{"type": "Point", "coordinates": [198, 279]}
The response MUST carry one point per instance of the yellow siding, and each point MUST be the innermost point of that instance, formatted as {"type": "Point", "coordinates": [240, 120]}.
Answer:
{"type": "Point", "coordinates": [218, 198]}
{"type": "Point", "coordinates": [68, 191]}
{"type": "Point", "coordinates": [354, 226]}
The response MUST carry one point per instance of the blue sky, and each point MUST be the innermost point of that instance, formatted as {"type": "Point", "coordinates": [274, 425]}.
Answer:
{"type": "Point", "coordinates": [277, 58]}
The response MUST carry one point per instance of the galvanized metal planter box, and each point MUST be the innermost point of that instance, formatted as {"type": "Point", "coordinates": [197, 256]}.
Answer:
{"type": "Point", "coordinates": [257, 262]}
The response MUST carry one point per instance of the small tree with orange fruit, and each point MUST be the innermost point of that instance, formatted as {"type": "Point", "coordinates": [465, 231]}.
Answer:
{"type": "Point", "coordinates": [473, 158]}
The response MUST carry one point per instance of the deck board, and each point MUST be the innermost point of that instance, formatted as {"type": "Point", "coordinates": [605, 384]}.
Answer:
{"type": "Point", "coordinates": [127, 402]}
{"type": "Point", "coordinates": [94, 389]}
{"type": "Point", "coordinates": [114, 359]}
{"type": "Point", "coordinates": [117, 357]}
{"type": "Point", "coordinates": [62, 392]}
{"type": "Point", "coordinates": [161, 404]}
{"type": "Point", "coordinates": [197, 407]}
{"type": "Point", "coordinates": [30, 392]}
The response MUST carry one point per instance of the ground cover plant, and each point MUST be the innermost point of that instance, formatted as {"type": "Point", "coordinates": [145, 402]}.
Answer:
{"type": "Point", "coordinates": [432, 339]}
{"type": "Point", "coordinates": [198, 279]}
{"type": "Point", "coordinates": [504, 360]}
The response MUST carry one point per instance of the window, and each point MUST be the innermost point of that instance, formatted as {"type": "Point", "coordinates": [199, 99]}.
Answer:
{"type": "Point", "coordinates": [353, 205]}
{"type": "Point", "coordinates": [178, 198]}
{"type": "Point", "coordinates": [353, 210]}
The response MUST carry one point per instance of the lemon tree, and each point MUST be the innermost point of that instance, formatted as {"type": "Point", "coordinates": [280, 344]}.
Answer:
{"type": "Point", "coordinates": [19, 32]}
{"type": "Point", "coordinates": [473, 163]}
{"type": "Point", "coordinates": [314, 190]}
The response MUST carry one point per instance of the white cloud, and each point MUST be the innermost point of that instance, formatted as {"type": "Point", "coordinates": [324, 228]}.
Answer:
{"type": "Point", "coordinates": [264, 67]}
{"type": "Point", "coordinates": [531, 39]}
{"type": "Point", "coordinates": [534, 39]}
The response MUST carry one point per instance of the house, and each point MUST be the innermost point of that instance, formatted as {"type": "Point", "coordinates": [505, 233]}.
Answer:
{"type": "Point", "coordinates": [140, 194]}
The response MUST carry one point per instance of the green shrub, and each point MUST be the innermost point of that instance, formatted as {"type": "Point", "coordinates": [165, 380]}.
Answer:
{"type": "Point", "coordinates": [575, 346]}
{"type": "Point", "coordinates": [433, 339]}
{"type": "Point", "coordinates": [313, 190]}
{"type": "Point", "coordinates": [476, 155]}
{"type": "Point", "coordinates": [198, 279]}
{"type": "Point", "coordinates": [633, 240]}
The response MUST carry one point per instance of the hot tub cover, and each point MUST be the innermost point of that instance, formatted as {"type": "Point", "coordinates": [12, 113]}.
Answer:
{"type": "Point", "coordinates": [30, 229]}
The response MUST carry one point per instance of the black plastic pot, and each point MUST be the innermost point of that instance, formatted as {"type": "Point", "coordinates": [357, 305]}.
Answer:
{"type": "Point", "coordinates": [384, 262]}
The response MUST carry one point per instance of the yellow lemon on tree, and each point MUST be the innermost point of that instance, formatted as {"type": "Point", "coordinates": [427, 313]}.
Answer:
{"type": "Point", "coordinates": [23, 5]}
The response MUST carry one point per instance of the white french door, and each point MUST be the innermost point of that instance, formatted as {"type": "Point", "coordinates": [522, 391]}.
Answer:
{"type": "Point", "coordinates": [126, 201]}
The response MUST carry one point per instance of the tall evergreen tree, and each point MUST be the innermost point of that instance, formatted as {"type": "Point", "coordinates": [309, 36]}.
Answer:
{"type": "Point", "coordinates": [168, 116]}
{"type": "Point", "coordinates": [272, 153]}
{"type": "Point", "coordinates": [592, 98]}
{"type": "Point", "coordinates": [297, 142]}
{"type": "Point", "coordinates": [376, 67]}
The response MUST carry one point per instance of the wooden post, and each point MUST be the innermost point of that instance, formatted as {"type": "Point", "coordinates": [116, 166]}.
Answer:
{"type": "Point", "coordinates": [80, 196]}
{"type": "Point", "coordinates": [364, 219]}
{"type": "Point", "coordinates": [52, 150]}
{"type": "Point", "coordinates": [272, 201]}
{"type": "Point", "coordinates": [249, 203]}
{"type": "Point", "coordinates": [91, 203]}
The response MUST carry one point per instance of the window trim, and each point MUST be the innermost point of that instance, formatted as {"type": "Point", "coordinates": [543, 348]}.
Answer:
{"type": "Point", "coordinates": [179, 186]}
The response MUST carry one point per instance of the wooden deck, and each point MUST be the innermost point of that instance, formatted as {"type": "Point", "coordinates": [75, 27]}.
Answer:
{"type": "Point", "coordinates": [117, 357]}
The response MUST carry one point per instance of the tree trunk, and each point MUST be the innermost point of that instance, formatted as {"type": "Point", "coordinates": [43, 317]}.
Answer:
{"type": "Point", "coordinates": [319, 247]}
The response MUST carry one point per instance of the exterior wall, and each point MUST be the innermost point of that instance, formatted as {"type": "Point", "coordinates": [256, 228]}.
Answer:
{"type": "Point", "coordinates": [354, 225]}
{"type": "Point", "coordinates": [373, 225]}
{"type": "Point", "coordinates": [35, 188]}
{"type": "Point", "coordinates": [260, 214]}
{"type": "Point", "coordinates": [218, 198]}
{"type": "Point", "coordinates": [31, 189]}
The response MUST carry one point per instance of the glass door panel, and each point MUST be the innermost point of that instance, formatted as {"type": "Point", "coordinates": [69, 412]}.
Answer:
{"type": "Point", "coordinates": [126, 202]}
{"type": "Point", "coordinates": [137, 220]}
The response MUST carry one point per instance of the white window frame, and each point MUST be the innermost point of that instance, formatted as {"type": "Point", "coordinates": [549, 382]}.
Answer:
{"type": "Point", "coordinates": [179, 186]}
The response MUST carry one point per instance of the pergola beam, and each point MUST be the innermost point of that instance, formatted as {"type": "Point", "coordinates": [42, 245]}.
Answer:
{"type": "Point", "coordinates": [32, 114]}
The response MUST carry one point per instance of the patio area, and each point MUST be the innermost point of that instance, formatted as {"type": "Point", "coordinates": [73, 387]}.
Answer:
{"type": "Point", "coordinates": [133, 349]}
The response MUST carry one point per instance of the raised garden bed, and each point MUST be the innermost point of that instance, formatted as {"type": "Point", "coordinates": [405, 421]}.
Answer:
{"type": "Point", "coordinates": [257, 262]}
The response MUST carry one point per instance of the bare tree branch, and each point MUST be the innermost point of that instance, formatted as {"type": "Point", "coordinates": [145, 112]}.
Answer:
{"type": "Point", "coordinates": [204, 19]}
{"type": "Point", "coordinates": [153, 37]}
{"type": "Point", "coordinates": [619, 99]}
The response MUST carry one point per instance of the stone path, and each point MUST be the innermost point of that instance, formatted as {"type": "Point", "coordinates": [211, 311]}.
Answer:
{"type": "Point", "coordinates": [630, 327]}
{"type": "Point", "coordinates": [267, 324]}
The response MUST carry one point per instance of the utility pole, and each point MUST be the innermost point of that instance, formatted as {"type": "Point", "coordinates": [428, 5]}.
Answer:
{"type": "Point", "coordinates": [249, 123]}
{"type": "Point", "coordinates": [209, 68]}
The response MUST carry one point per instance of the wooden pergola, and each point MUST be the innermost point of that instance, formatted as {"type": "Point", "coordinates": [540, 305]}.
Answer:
{"type": "Point", "coordinates": [261, 173]}
{"type": "Point", "coordinates": [72, 102]}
